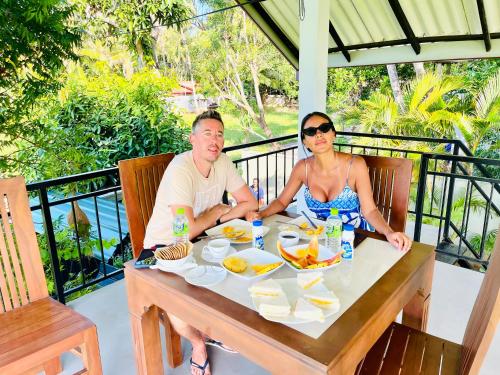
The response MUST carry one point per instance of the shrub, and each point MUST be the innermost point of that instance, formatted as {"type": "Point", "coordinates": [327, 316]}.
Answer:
{"type": "Point", "coordinates": [97, 120]}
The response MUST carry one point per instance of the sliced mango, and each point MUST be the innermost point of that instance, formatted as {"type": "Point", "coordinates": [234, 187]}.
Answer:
{"type": "Point", "coordinates": [261, 269]}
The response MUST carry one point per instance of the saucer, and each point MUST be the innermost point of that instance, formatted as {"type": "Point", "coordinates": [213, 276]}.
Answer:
{"type": "Point", "coordinates": [208, 257]}
{"type": "Point", "coordinates": [205, 275]}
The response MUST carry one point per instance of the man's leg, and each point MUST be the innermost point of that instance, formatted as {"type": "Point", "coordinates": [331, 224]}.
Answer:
{"type": "Point", "coordinates": [197, 340]}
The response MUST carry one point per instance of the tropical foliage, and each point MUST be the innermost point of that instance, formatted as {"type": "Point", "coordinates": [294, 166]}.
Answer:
{"type": "Point", "coordinates": [96, 120]}
{"type": "Point", "coordinates": [434, 106]}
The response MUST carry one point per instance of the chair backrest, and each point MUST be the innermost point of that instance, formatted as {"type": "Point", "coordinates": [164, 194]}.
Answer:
{"type": "Point", "coordinates": [484, 317]}
{"type": "Point", "coordinates": [140, 178]}
{"type": "Point", "coordinates": [22, 279]}
{"type": "Point", "coordinates": [391, 179]}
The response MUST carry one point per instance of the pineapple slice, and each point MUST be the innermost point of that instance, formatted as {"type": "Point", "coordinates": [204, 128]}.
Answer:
{"type": "Point", "coordinates": [235, 264]}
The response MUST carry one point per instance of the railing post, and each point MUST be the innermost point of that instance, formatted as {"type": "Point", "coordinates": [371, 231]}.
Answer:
{"type": "Point", "coordinates": [451, 190]}
{"type": "Point", "coordinates": [51, 242]}
{"type": "Point", "coordinates": [419, 204]}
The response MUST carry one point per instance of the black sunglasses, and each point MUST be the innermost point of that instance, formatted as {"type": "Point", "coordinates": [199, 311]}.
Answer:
{"type": "Point", "coordinates": [323, 128]}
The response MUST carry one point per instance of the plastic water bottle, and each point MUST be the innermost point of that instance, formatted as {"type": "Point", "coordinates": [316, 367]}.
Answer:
{"type": "Point", "coordinates": [180, 226]}
{"type": "Point", "coordinates": [258, 234]}
{"type": "Point", "coordinates": [348, 241]}
{"type": "Point", "coordinates": [333, 231]}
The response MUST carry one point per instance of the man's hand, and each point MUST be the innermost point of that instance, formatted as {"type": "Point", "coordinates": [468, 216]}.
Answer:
{"type": "Point", "coordinates": [252, 215]}
{"type": "Point", "coordinates": [399, 240]}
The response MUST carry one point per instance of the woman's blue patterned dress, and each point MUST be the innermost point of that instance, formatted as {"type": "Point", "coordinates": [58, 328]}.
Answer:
{"type": "Point", "coordinates": [347, 202]}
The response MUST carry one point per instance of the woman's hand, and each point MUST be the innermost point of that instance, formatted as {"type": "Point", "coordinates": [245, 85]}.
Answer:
{"type": "Point", "coordinates": [399, 240]}
{"type": "Point", "coordinates": [252, 215]}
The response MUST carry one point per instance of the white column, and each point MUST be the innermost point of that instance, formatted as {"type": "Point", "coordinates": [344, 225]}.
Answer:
{"type": "Point", "coordinates": [313, 65]}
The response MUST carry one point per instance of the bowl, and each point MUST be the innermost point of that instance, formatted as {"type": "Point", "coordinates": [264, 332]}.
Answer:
{"type": "Point", "coordinates": [288, 238]}
{"type": "Point", "coordinates": [173, 263]}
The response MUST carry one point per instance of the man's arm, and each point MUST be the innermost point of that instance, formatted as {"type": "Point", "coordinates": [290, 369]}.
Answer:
{"type": "Point", "coordinates": [245, 202]}
{"type": "Point", "coordinates": [205, 220]}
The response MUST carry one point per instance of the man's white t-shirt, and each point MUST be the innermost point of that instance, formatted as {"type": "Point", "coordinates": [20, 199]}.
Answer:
{"type": "Point", "coordinates": [182, 184]}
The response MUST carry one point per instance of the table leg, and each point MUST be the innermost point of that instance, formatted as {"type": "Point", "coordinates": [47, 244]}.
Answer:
{"type": "Point", "coordinates": [146, 339]}
{"type": "Point", "coordinates": [415, 313]}
{"type": "Point", "coordinates": [172, 342]}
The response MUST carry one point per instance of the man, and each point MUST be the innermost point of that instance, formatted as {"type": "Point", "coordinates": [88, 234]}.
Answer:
{"type": "Point", "coordinates": [196, 180]}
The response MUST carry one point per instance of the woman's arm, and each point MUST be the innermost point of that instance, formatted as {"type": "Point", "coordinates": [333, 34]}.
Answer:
{"type": "Point", "coordinates": [370, 210]}
{"type": "Point", "coordinates": [279, 204]}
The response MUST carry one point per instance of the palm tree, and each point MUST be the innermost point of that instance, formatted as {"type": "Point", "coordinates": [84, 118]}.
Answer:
{"type": "Point", "coordinates": [431, 109]}
{"type": "Point", "coordinates": [486, 115]}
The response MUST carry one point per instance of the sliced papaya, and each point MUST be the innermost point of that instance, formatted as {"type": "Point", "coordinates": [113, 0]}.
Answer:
{"type": "Point", "coordinates": [311, 259]}
{"type": "Point", "coordinates": [314, 247]}
{"type": "Point", "coordinates": [334, 259]}
{"type": "Point", "coordinates": [303, 262]}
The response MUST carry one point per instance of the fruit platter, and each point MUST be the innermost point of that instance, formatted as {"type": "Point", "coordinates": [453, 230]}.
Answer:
{"type": "Point", "coordinates": [309, 257]}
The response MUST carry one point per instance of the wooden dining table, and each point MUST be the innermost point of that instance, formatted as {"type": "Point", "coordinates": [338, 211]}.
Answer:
{"type": "Point", "coordinates": [276, 347]}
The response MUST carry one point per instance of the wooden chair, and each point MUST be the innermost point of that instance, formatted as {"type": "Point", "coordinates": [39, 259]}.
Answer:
{"type": "Point", "coordinates": [140, 179]}
{"type": "Point", "coordinates": [402, 350]}
{"type": "Point", "coordinates": [34, 329]}
{"type": "Point", "coordinates": [391, 179]}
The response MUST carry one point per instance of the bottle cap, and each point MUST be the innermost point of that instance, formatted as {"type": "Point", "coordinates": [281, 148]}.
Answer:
{"type": "Point", "coordinates": [257, 223]}
{"type": "Point", "coordinates": [348, 227]}
{"type": "Point", "coordinates": [334, 211]}
{"type": "Point", "coordinates": [180, 211]}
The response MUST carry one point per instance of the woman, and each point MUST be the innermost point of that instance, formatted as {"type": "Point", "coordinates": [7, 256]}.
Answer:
{"type": "Point", "coordinates": [333, 179]}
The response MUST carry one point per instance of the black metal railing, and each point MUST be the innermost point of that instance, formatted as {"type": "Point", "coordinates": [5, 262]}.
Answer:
{"type": "Point", "coordinates": [439, 181]}
{"type": "Point", "coordinates": [457, 236]}
{"type": "Point", "coordinates": [73, 250]}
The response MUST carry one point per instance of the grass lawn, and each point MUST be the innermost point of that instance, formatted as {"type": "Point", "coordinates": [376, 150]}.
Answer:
{"type": "Point", "coordinates": [282, 121]}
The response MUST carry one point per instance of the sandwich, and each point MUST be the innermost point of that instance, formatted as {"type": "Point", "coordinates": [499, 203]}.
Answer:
{"type": "Point", "coordinates": [266, 288]}
{"type": "Point", "coordinates": [274, 307]}
{"type": "Point", "coordinates": [324, 300]}
{"type": "Point", "coordinates": [308, 280]}
{"type": "Point", "coordinates": [307, 311]}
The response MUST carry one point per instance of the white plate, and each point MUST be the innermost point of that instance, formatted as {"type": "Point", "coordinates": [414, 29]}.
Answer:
{"type": "Point", "coordinates": [293, 292]}
{"type": "Point", "coordinates": [238, 224]}
{"type": "Point", "coordinates": [177, 270]}
{"type": "Point", "coordinates": [302, 233]}
{"type": "Point", "coordinates": [205, 275]}
{"type": "Point", "coordinates": [254, 256]}
{"type": "Point", "coordinates": [323, 254]}
{"type": "Point", "coordinates": [208, 257]}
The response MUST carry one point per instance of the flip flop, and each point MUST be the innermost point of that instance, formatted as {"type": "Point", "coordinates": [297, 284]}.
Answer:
{"type": "Point", "coordinates": [219, 345]}
{"type": "Point", "coordinates": [198, 366]}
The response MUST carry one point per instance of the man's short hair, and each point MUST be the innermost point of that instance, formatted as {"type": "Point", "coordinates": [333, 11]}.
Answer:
{"type": "Point", "coordinates": [210, 114]}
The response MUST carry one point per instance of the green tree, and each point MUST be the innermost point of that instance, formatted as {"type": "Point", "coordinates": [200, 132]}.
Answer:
{"type": "Point", "coordinates": [136, 24]}
{"type": "Point", "coordinates": [36, 37]}
{"type": "Point", "coordinates": [96, 120]}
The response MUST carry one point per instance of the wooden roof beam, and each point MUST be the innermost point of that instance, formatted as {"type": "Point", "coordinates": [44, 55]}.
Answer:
{"type": "Point", "coordinates": [338, 41]}
{"type": "Point", "coordinates": [405, 25]}
{"type": "Point", "coordinates": [484, 25]}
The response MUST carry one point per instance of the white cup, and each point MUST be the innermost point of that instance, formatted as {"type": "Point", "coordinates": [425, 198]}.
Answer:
{"type": "Point", "coordinates": [218, 248]}
{"type": "Point", "coordinates": [288, 238]}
